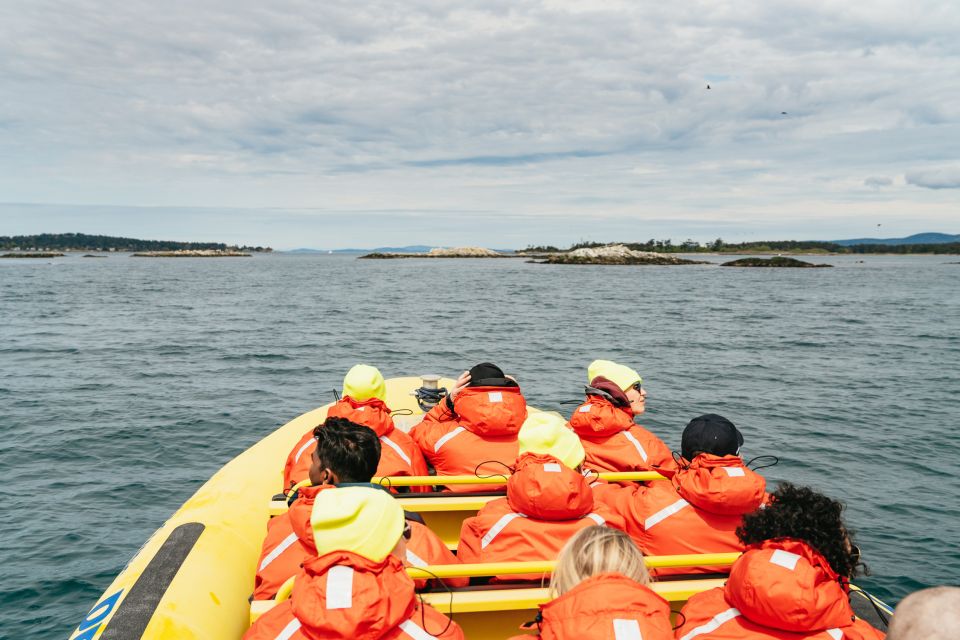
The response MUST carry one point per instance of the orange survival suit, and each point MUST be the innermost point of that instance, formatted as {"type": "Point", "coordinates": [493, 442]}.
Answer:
{"type": "Point", "coordinates": [546, 504]}
{"type": "Point", "coordinates": [697, 511]}
{"type": "Point", "coordinates": [482, 427]}
{"type": "Point", "coordinates": [779, 589]}
{"type": "Point", "coordinates": [289, 543]}
{"type": "Point", "coordinates": [344, 595]}
{"type": "Point", "coordinates": [612, 440]}
{"type": "Point", "coordinates": [399, 456]}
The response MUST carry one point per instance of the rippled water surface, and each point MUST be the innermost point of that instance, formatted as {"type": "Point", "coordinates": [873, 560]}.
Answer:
{"type": "Point", "coordinates": [125, 383]}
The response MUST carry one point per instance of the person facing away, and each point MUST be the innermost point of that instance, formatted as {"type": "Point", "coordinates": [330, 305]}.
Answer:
{"type": "Point", "coordinates": [548, 500]}
{"type": "Point", "coordinates": [605, 423]}
{"type": "Point", "coordinates": [355, 586]}
{"type": "Point", "coordinates": [792, 582]}
{"type": "Point", "coordinates": [928, 614]}
{"type": "Point", "coordinates": [599, 590]}
{"type": "Point", "coordinates": [474, 429]}
{"type": "Point", "coordinates": [363, 402]}
{"type": "Point", "coordinates": [346, 455]}
{"type": "Point", "coordinates": [699, 509]}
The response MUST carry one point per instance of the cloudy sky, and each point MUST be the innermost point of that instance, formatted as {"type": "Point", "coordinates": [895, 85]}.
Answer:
{"type": "Point", "coordinates": [496, 123]}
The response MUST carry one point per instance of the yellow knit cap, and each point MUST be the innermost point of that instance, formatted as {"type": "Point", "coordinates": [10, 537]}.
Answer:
{"type": "Point", "coordinates": [363, 382]}
{"type": "Point", "coordinates": [362, 520]}
{"type": "Point", "coordinates": [546, 432]}
{"type": "Point", "coordinates": [622, 376]}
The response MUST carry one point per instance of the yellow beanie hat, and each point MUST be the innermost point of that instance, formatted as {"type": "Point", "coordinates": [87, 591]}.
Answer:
{"type": "Point", "coordinates": [622, 376]}
{"type": "Point", "coordinates": [546, 432]}
{"type": "Point", "coordinates": [362, 520]}
{"type": "Point", "coordinates": [363, 382]}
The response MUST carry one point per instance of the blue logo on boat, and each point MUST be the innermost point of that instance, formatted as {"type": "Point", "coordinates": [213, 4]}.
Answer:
{"type": "Point", "coordinates": [91, 624]}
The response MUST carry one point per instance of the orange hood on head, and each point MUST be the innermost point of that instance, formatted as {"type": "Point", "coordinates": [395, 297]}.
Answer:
{"type": "Point", "coordinates": [371, 413]}
{"type": "Point", "coordinates": [491, 411]}
{"type": "Point", "coordinates": [720, 485]}
{"type": "Point", "coordinates": [598, 417]}
{"type": "Point", "coordinates": [343, 595]}
{"type": "Point", "coordinates": [785, 584]}
{"type": "Point", "coordinates": [542, 487]}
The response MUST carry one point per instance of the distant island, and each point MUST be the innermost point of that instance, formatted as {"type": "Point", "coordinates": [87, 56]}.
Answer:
{"type": "Point", "coordinates": [776, 262]}
{"type": "Point", "coordinates": [46, 242]}
{"type": "Point", "coordinates": [457, 252]}
{"type": "Point", "coordinates": [611, 254]}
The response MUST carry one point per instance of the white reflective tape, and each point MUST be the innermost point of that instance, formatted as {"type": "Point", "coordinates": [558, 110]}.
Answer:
{"type": "Point", "coordinates": [552, 467]}
{"type": "Point", "coordinates": [360, 409]}
{"type": "Point", "coordinates": [585, 408]}
{"type": "Point", "coordinates": [596, 517]}
{"type": "Point", "coordinates": [280, 548]}
{"type": "Point", "coordinates": [495, 396]}
{"type": "Point", "coordinates": [633, 440]}
{"type": "Point", "coordinates": [292, 627]}
{"type": "Point", "coordinates": [626, 629]}
{"type": "Point", "coordinates": [415, 631]}
{"type": "Point", "coordinates": [714, 624]}
{"type": "Point", "coordinates": [665, 513]}
{"type": "Point", "coordinates": [393, 445]}
{"type": "Point", "coordinates": [734, 472]}
{"type": "Point", "coordinates": [836, 634]}
{"type": "Point", "coordinates": [497, 527]}
{"type": "Point", "coordinates": [340, 587]}
{"type": "Point", "coordinates": [445, 439]}
{"type": "Point", "coordinates": [785, 559]}
{"type": "Point", "coordinates": [312, 442]}
{"type": "Point", "coordinates": [415, 560]}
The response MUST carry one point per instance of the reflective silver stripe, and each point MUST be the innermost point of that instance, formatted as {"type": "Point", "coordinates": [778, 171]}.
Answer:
{"type": "Point", "coordinates": [551, 467]}
{"type": "Point", "coordinates": [626, 629]}
{"type": "Point", "coordinates": [836, 634]}
{"type": "Point", "coordinates": [495, 396]}
{"type": "Point", "coordinates": [415, 560]}
{"type": "Point", "coordinates": [633, 440]}
{"type": "Point", "coordinates": [280, 548]}
{"type": "Point", "coordinates": [442, 441]}
{"type": "Point", "coordinates": [340, 587]}
{"type": "Point", "coordinates": [596, 518]}
{"type": "Point", "coordinates": [665, 513]}
{"type": "Point", "coordinates": [585, 408]}
{"type": "Point", "coordinates": [714, 624]}
{"type": "Point", "coordinates": [784, 559]}
{"type": "Point", "coordinates": [393, 445]}
{"type": "Point", "coordinates": [735, 472]}
{"type": "Point", "coordinates": [498, 526]}
{"type": "Point", "coordinates": [309, 443]}
{"type": "Point", "coordinates": [415, 631]}
{"type": "Point", "coordinates": [292, 627]}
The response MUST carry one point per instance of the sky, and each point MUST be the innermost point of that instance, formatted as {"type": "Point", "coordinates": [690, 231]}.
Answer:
{"type": "Point", "coordinates": [494, 123]}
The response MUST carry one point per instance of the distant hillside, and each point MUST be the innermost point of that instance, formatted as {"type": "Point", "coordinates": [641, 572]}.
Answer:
{"type": "Point", "coordinates": [919, 238]}
{"type": "Point", "coordinates": [84, 242]}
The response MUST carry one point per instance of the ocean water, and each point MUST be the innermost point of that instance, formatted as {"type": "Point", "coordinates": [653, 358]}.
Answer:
{"type": "Point", "coordinates": [125, 383]}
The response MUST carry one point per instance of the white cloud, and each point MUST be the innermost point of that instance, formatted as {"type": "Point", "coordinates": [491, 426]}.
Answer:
{"type": "Point", "coordinates": [935, 178]}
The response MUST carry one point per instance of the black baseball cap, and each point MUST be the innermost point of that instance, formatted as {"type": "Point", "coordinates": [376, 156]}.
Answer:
{"type": "Point", "coordinates": [710, 433]}
{"type": "Point", "coordinates": [487, 374]}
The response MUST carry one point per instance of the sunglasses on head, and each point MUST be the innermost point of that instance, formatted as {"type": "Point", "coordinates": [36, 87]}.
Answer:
{"type": "Point", "coordinates": [637, 386]}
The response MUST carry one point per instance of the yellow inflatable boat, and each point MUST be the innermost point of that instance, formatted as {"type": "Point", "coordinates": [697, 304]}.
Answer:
{"type": "Point", "coordinates": [194, 576]}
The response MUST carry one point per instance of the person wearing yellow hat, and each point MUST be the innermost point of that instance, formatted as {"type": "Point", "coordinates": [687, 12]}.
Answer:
{"type": "Point", "coordinates": [356, 586]}
{"type": "Point", "coordinates": [363, 402]}
{"type": "Point", "coordinates": [548, 500]}
{"type": "Point", "coordinates": [605, 423]}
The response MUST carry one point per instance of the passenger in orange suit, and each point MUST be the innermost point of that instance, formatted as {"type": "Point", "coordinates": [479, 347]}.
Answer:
{"type": "Point", "coordinates": [355, 587]}
{"type": "Point", "coordinates": [474, 429]}
{"type": "Point", "coordinates": [700, 508]}
{"type": "Point", "coordinates": [600, 591]}
{"type": "Point", "coordinates": [346, 455]}
{"type": "Point", "coordinates": [793, 581]}
{"type": "Point", "coordinates": [548, 501]}
{"type": "Point", "coordinates": [605, 423]}
{"type": "Point", "coordinates": [364, 393]}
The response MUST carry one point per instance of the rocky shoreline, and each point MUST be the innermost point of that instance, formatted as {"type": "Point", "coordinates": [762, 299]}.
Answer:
{"type": "Point", "coordinates": [458, 252]}
{"type": "Point", "coordinates": [777, 263]}
{"type": "Point", "coordinates": [32, 254]}
{"type": "Point", "coordinates": [191, 253]}
{"type": "Point", "coordinates": [616, 254]}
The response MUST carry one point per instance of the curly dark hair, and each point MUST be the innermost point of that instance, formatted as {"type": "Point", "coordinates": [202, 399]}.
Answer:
{"type": "Point", "coordinates": [804, 514]}
{"type": "Point", "coordinates": [351, 450]}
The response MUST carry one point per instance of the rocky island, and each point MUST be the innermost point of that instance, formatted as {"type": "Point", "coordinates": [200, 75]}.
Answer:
{"type": "Point", "coordinates": [32, 254]}
{"type": "Point", "coordinates": [458, 252]}
{"type": "Point", "coordinates": [192, 253]}
{"type": "Point", "coordinates": [774, 262]}
{"type": "Point", "coordinates": [611, 254]}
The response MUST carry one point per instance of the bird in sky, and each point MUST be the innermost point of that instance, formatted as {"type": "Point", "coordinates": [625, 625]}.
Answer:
{"type": "Point", "coordinates": [708, 86]}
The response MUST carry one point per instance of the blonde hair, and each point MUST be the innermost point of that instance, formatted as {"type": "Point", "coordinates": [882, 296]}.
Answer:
{"type": "Point", "coordinates": [596, 550]}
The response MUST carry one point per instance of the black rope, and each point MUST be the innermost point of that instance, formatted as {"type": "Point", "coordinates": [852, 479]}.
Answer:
{"type": "Point", "coordinates": [423, 613]}
{"type": "Point", "coordinates": [336, 394]}
{"type": "Point", "coordinates": [876, 607]}
{"type": "Point", "coordinates": [476, 470]}
{"type": "Point", "coordinates": [429, 398]}
{"type": "Point", "coordinates": [775, 462]}
{"type": "Point", "coordinates": [682, 619]}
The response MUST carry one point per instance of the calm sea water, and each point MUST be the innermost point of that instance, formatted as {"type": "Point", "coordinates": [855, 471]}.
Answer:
{"type": "Point", "coordinates": [125, 383]}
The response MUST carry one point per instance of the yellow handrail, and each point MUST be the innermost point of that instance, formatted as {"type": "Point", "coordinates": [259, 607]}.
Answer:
{"type": "Point", "coordinates": [417, 481]}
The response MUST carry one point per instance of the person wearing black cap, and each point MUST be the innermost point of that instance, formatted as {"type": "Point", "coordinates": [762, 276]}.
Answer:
{"type": "Point", "coordinates": [700, 508]}
{"type": "Point", "coordinates": [474, 429]}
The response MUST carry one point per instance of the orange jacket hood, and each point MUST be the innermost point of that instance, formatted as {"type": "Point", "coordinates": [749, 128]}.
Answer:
{"type": "Point", "coordinates": [371, 413]}
{"type": "Point", "coordinates": [343, 595]}
{"type": "Point", "coordinates": [300, 512]}
{"type": "Point", "coordinates": [589, 610]}
{"type": "Point", "coordinates": [720, 485]}
{"type": "Point", "coordinates": [491, 411]}
{"type": "Point", "coordinates": [543, 488]}
{"type": "Point", "coordinates": [786, 584]}
{"type": "Point", "coordinates": [598, 417]}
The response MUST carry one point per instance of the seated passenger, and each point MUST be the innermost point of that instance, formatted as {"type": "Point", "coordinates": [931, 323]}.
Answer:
{"type": "Point", "coordinates": [605, 423]}
{"type": "Point", "coordinates": [792, 582]}
{"type": "Point", "coordinates": [346, 455]}
{"type": "Point", "coordinates": [364, 392]}
{"type": "Point", "coordinates": [600, 590]}
{"type": "Point", "coordinates": [474, 429]}
{"type": "Point", "coordinates": [928, 614]}
{"type": "Point", "coordinates": [356, 585]}
{"type": "Point", "coordinates": [700, 508]}
{"type": "Point", "coordinates": [548, 501]}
